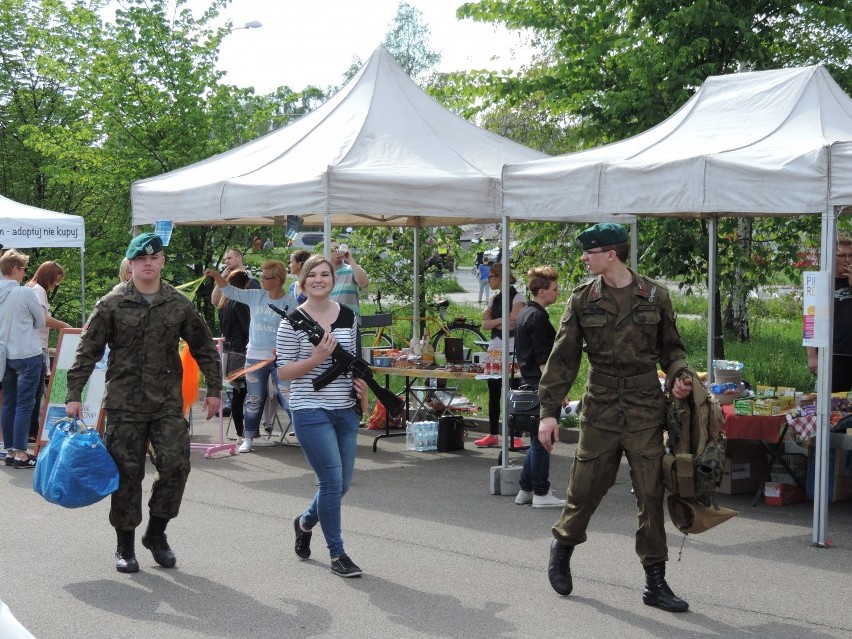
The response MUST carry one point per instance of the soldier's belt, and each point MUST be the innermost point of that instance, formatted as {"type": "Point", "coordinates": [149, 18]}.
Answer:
{"type": "Point", "coordinates": [643, 379]}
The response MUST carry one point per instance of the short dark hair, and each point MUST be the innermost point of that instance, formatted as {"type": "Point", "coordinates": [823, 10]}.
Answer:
{"type": "Point", "coordinates": [541, 277]}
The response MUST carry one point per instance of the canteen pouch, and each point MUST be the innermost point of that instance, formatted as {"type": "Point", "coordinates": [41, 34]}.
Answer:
{"type": "Point", "coordinates": [523, 407]}
{"type": "Point", "coordinates": [450, 433]}
{"type": "Point", "coordinates": [74, 469]}
{"type": "Point", "coordinates": [679, 475]}
{"type": "Point", "coordinates": [685, 471]}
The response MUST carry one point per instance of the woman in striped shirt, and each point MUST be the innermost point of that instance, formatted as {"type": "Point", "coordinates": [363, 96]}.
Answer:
{"type": "Point", "coordinates": [324, 420]}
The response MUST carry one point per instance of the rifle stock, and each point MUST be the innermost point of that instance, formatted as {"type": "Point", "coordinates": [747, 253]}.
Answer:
{"type": "Point", "coordinates": [344, 362]}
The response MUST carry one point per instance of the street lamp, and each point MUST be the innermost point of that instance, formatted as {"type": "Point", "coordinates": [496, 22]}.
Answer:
{"type": "Point", "coordinates": [254, 24]}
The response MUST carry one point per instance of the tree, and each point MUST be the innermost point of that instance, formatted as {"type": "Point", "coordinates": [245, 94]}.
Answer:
{"type": "Point", "coordinates": [119, 101]}
{"type": "Point", "coordinates": [408, 41]}
{"type": "Point", "coordinates": [615, 69]}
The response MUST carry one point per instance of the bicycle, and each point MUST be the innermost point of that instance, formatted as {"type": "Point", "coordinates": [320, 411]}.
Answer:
{"type": "Point", "coordinates": [378, 330]}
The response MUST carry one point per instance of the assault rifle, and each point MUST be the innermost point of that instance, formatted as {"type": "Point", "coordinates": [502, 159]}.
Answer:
{"type": "Point", "coordinates": [344, 362]}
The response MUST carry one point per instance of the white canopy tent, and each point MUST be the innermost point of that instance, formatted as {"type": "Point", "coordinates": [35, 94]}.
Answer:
{"type": "Point", "coordinates": [380, 152]}
{"type": "Point", "coordinates": [751, 144]}
{"type": "Point", "coordinates": [27, 226]}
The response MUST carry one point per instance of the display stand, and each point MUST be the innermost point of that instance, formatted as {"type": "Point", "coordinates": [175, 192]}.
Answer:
{"type": "Point", "coordinates": [93, 392]}
{"type": "Point", "coordinates": [222, 445]}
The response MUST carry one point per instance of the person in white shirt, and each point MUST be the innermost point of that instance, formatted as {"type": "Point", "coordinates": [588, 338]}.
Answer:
{"type": "Point", "coordinates": [46, 278]}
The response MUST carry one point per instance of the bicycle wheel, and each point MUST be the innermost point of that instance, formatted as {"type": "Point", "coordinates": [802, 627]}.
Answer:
{"type": "Point", "coordinates": [467, 333]}
{"type": "Point", "coordinates": [371, 338]}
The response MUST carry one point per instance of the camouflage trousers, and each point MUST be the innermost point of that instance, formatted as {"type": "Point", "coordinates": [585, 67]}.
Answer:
{"type": "Point", "coordinates": [596, 463]}
{"type": "Point", "coordinates": [126, 438]}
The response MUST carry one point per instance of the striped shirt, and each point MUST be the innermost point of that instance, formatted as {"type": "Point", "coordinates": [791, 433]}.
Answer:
{"type": "Point", "coordinates": [346, 289]}
{"type": "Point", "coordinates": [293, 346]}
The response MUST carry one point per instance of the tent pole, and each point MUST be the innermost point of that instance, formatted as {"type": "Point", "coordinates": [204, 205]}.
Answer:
{"type": "Point", "coordinates": [83, 285]}
{"type": "Point", "coordinates": [634, 245]}
{"type": "Point", "coordinates": [415, 309]}
{"type": "Point", "coordinates": [712, 252]}
{"type": "Point", "coordinates": [828, 242]}
{"type": "Point", "coordinates": [326, 234]}
{"type": "Point", "coordinates": [504, 328]}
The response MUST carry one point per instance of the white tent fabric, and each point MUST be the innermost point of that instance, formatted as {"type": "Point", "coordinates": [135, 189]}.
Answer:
{"type": "Point", "coordinates": [29, 227]}
{"type": "Point", "coordinates": [24, 226]}
{"type": "Point", "coordinates": [751, 144]}
{"type": "Point", "coordinates": [381, 151]}
{"type": "Point", "coordinates": [762, 143]}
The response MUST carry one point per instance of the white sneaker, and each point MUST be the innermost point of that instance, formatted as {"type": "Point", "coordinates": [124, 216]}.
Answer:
{"type": "Point", "coordinates": [524, 497]}
{"type": "Point", "coordinates": [547, 501]}
{"type": "Point", "coordinates": [260, 442]}
{"type": "Point", "coordinates": [245, 447]}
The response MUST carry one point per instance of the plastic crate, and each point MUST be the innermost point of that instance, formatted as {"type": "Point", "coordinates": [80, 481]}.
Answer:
{"type": "Point", "coordinates": [799, 465]}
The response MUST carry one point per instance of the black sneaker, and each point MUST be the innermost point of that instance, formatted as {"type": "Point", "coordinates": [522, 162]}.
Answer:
{"type": "Point", "coordinates": [303, 539]}
{"type": "Point", "coordinates": [345, 567]}
{"type": "Point", "coordinates": [28, 463]}
{"type": "Point", "coordinates": [10, 459]}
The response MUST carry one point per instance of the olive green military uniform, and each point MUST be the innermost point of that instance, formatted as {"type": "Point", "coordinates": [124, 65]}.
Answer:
{"type": "Point", "coordinates": [143, 398]}
{"type": "Point", "coordinates": [623, 406]}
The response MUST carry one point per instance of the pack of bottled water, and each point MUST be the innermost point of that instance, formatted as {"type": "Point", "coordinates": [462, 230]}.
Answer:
{"type": "Point", "coordinates": [421, 436]}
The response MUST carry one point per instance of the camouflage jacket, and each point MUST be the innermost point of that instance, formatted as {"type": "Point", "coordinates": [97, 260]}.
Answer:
{"type": "Point", "coordinates": [617, 346]}
{"type": "Point", "coordinates": [144, 372]}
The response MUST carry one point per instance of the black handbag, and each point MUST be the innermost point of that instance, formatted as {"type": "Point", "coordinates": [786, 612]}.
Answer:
{"type": "Point", "coordinates": [234, 362]}
{"type": "Point", "coordinates": [450, 433]}
{"type": "Point", "coordinates": [523, 409]}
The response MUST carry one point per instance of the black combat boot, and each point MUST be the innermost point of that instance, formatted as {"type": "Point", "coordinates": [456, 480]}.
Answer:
{"type": "Point", "coordinates": [657, 592]}
{"type": "Point", "coordinates": [154, 540]}
{"type": "Point", "coordinates": [125, 552]}
{"type": "Point", "coordinates": [559, 568]}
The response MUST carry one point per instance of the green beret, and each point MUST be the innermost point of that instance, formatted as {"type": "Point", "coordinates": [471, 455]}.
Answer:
{"type": "Point", "coordinates": [602, 235]}
{"type": "Point", "coordinates": [145, 244]}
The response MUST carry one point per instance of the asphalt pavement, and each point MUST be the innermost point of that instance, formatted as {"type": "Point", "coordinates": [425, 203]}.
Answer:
{"type": "Point", "coordinates": [442, 557]}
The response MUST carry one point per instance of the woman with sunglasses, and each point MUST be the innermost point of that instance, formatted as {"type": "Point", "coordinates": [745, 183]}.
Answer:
{"type": "Point", "coordinates": [21, 316]}
{"type": "Point", "coordinates": [261, 345]}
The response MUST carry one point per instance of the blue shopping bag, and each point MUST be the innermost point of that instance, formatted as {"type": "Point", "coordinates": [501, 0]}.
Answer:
{"type": "Point", "coordinates": [74, 469]}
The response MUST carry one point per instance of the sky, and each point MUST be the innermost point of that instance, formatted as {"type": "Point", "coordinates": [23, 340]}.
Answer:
{"type": "Point", "coordinates": [314, 41]}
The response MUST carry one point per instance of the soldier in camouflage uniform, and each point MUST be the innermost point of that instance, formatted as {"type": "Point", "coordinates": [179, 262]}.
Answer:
{"type": "Point", "coordinates": [141, 321]}
{"type": "Point", "coordinates": [625, 324]}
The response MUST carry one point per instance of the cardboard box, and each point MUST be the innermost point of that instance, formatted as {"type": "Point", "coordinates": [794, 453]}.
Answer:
{"type": "Point", "coordinates": [767, 407]}
{"type": "Point", "coordinates": [839, 474]}
{"type": "Point", "coordinates": [776, 493]}
{"type": "Point", "coordinates": [743, 407]}
{"type": "Point", "coordinates": [744, 468]}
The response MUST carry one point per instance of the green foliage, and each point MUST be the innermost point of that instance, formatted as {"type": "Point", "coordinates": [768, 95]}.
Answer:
{"type": "Point", "coordinates": [407, 40]}
{"type": "Point", "coordinates": [89, 106]}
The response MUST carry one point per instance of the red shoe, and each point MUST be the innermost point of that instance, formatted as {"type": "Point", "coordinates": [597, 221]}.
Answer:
{"type": "Point", "coordinates": [489, 441]}
{"type": "Point", "coordinates": [517, 442]}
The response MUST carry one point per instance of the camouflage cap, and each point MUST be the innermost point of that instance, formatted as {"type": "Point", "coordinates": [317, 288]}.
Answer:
{"type": "Point", "coordinates": [145, 244]}
{"type": "Point", "coordinates": [602, 235]}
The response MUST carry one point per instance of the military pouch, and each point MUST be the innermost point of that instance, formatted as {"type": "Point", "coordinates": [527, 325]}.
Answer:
{"type": "Point", "coordinates": [669, 476]}
{"type": "Point", "coordinates": [685, 472]}
{"type": "Point", "coordinates": [708, 472]}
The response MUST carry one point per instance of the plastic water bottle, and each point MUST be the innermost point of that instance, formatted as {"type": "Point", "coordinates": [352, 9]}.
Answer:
{"type": "Point", "coordinates": [419, 436]}
{"type": "Point", "coordinates": [410, 443]}
{"type": "Point", "coordinates": [433, 436]}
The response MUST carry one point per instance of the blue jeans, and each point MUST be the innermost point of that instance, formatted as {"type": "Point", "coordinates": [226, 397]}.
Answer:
{"type": "Point", "coordinates": [536, 473]}
{"type": "Point", "coordinates": [257, 390]}
{"type": "Point", "coordinates": [20, 382]}
{"type": "Point", "coordinates": [328, 440]}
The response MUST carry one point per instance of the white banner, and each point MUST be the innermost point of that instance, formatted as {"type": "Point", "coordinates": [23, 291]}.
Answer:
{"type": "Point", "coordinates": [815, 312]}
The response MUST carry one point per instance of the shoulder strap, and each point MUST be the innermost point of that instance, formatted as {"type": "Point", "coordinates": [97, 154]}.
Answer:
{"type": "Point", "coordinates": [8, 317]}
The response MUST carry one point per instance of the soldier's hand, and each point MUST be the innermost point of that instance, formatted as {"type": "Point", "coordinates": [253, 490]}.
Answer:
{"type": "Point", "coordinates": [548, 432]}
{"type": "Point", "coordinates": [74, 410]}
{"type": "Point", "coordinates": [682, 387]}
{"type": "Point", "coordinates": [212, 404]}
